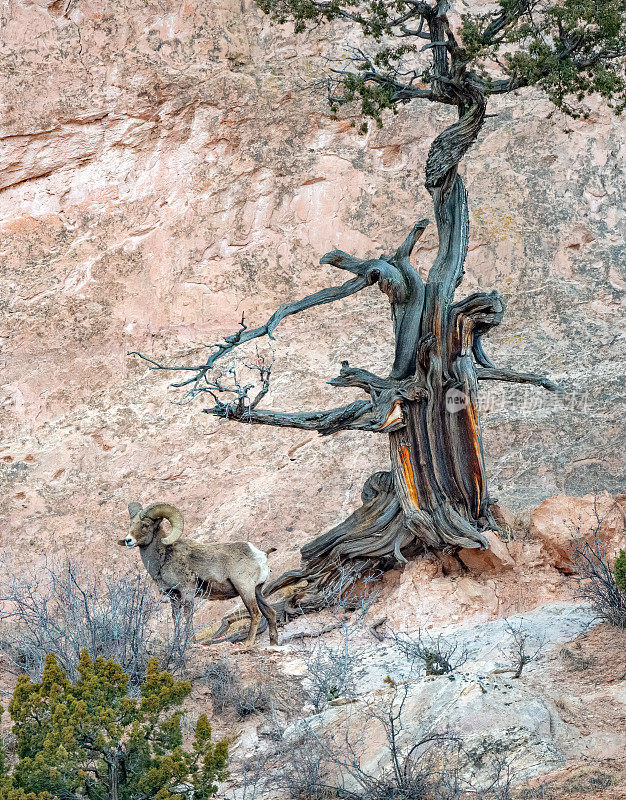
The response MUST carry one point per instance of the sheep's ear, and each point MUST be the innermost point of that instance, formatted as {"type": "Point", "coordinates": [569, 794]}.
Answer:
{"type": "Point", "coordinates": [134, 509]}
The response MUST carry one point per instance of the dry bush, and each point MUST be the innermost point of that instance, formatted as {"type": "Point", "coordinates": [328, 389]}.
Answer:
{"type": "Point", "coordinates": [596, 580]}
{"type": "Point", "coordinates": [303, 771]}
{"type": "Point", "coordinates": [316, 766]}
{"type": "Point", "coordinates": [330, 673]}
{"type": "Point", "coordinates": [228, 691]}
{"type": "Point", "coordinates": [63, 609]}
{"type": "Point", "coordinates": [308, 764]}
{"type": "Point", "coordinates": [253, 776]}
{"type": "Point", "coordinates": [525, 647]}
{"type": "Point", "coordinates": [432, 770]}
{"type": "Point", "coordinates": [436, 655]}
{"type": "Point", "coordinates": [331, 669]}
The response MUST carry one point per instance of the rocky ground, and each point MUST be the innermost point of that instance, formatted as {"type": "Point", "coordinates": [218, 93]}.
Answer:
{"type": "Point", "coordinates": [559, 725]}
{"type": "Point", "coordinates": [559, 728]}
{"type": "Point", "coordinates": [531, 682]}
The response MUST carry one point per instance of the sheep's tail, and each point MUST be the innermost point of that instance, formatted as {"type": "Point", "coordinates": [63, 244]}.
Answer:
{"type": "Point", "coordinates": [264, 606]}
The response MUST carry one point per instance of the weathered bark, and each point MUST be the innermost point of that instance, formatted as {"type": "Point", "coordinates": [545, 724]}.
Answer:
{"type": "Point", "coordinates": [370, 539]}
{"type": "Point", "coordinates": [435, 495]}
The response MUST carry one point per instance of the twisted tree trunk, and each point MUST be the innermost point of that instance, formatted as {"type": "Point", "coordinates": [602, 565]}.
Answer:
{"type": "Point", "coordinates": [435, 495]}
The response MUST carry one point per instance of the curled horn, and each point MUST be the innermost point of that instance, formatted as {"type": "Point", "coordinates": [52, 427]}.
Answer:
{"type": "Point", "coordinates": [134, 509]}
{"type": "Point", "coordinates": [171, 514]}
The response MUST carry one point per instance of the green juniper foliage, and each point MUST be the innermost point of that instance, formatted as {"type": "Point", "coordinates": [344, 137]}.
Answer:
{"type": "Point", "coordinates": [569, 48]}
{"type": "Point", "coordinates": [3, 763]}
{"type": "Point", "coordinates": [8, 790]}
{"type": "Point", "coordinates": [620, 571]}
{"type": "Point", "coordinates": [90, 739]}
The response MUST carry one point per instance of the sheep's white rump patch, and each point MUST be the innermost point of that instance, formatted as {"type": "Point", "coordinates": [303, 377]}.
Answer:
{"type": "Point", "coordinates": [261, 560]}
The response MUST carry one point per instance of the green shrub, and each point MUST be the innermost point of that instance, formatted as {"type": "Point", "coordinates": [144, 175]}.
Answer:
{"type": "Point", "coordinates": [91, 739]}
{"type": "Point", "coordinates": [7, 789]}
{"type": "Point", "coordinates": [7, 792]}
{"type": "Point", "coordinates": [620, 571]}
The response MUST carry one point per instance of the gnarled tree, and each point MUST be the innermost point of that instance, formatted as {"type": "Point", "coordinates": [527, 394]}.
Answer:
{"type": "Point", "coordinates": [435, 495]}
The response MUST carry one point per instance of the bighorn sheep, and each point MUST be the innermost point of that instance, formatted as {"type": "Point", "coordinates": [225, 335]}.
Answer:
{"type": "Point", "coordinates": [186, 569]}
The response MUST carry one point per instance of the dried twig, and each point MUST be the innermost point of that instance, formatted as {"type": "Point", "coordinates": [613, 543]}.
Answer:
{"type": "Point", "coordinates": [374, 629]}
{"type": "Point", "coordinates": [301, 635]}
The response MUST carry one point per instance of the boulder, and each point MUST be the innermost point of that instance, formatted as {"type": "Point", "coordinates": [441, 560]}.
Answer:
{"type": "Point", "coordinates": [560, 520]}
{"type": "Point", "coordinates": [496, 559]}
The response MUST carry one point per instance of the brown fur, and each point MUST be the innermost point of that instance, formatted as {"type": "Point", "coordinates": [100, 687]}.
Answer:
{"type": "Point", "coordinates": [186, 569]}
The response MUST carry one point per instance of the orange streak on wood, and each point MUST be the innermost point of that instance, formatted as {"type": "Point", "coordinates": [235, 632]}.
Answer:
{"type": "Point", "coordinates": [472, 417]}
{"type": "Point", "coordinates": [409, 478]}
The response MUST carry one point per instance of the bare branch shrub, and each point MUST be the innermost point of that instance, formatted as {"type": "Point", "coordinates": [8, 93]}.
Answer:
{"type": "Point", "coordinates": [352, 591]}
{"type": "Point", "coordinates": [309, 764]}
{"type": "Point", "coordinates": [303, 770]}
{"type": "Point", "coordinates": [228, 691]}
{"type": "Point", "coordinates": [330, 673]}
{"type": "Point", "coordinates": [331, 670]}
{"type": "Point", "coordinates": [433, 768]}
{"type": "Point", "coordinates": [596, 580]}
{"type": "Point", "coordinates": [253, 777]}
{"type": "Point", "coordinates": [436, 655]}
{"type": "Point", "coordinates": [525, 646]}
{"type": "Point", "coordinates": [63, 609]}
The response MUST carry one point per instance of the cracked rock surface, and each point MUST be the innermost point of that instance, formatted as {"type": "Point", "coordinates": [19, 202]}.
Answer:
{"type": "Point", "coordinates": [559, 722]}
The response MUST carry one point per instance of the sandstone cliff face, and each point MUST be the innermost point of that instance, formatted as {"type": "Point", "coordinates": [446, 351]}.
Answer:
{"type": "Point", "coordinates": [163, 171]}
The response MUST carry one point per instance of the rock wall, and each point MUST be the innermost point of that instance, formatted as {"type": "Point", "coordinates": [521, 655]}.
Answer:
{"type": "Point", "coordinates": [164, 169]}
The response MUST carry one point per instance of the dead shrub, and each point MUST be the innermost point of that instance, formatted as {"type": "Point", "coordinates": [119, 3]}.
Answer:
{"type": "Point", "coordinates": [228, 691]}
{"type": "Point", "coordinates": [596, 582]}
{"type": "Point", "coordinates": [436, 655]}
{"type": "Point", "coordinates": [330, 673]}
{"type": "Point", "coordinates": [331, 670]}
{"type": "Point", "coordinates": [64, 609]}
{"type": "Point", "coordinates": [525, 646]}
{"type": "Point", "coordinates": [303, 772]}
{"type": "Point", "coordinates": [315, 765]}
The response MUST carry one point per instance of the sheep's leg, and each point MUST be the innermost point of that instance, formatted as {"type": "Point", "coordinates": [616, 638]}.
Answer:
{"type": "Point", "coordinates": [255, 615]}
{"type": "Point", "coordinates": [269, 613]}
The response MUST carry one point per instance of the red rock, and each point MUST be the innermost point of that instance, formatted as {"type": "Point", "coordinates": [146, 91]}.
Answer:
{"type": "Point", "coordinates": [560, 520]}
{"type": "Point", "coordinates": [497, 558]}
{"type": "Point", "coordinates": [152, 193]}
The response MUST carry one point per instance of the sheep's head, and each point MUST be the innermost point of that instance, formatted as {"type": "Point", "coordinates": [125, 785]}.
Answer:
{"type": "Point", "coordinates": [145, 523]}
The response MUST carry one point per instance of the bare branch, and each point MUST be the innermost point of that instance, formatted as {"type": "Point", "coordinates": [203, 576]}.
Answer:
{"type": "Point", "coordinates": [329, 295]}
{"type": "Point", "coordinates": [493, 374]}
{"type": "Point", "coordinates": [382, 413]}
